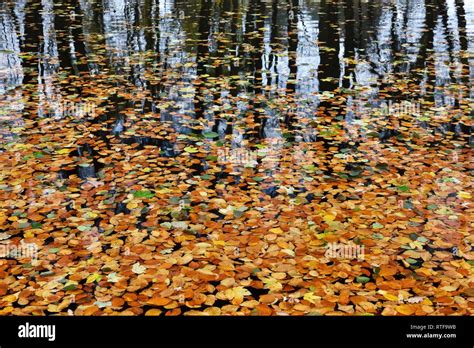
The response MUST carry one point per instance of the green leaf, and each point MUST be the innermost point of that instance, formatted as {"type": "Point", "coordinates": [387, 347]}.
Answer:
{"type": "Point", "coordinates": [84, 228]}
{"type": "Point", "coordinates": [382, 166]}
{"type": "Point", "coordinates": [210, 135]}
{"type": "Point", "coordinates": [70, 286]}
{"type": "Point", "coordinates": [238, 212]}
{"type": "Point", "coordinates": [143, 194]}
{"type": "Point", "coordinates": [190, 149]}
{"type": "Point", "coordinates": [403, 188]}
{"type": "Point", "coordinates": [255, 271]}
{"type": "Point", "coordinates": [26, 56]}
{"type": "Point", "coordinates": [422, 239]}
{"type": "Point", "coordinates": [36, 224]}
{"type": "Point", "coordinates": [377, 225]}
{"type": "Point", "coordinates": [362, 279]}
{"type": "Point", "coordinates": [355, 173]}
{"type": "Point", "coordinates": [343, 175]}
{"type": "Point", "coordinates": [175, 200]}
{"type": "Point", "coordinates": [413, 236]}
{"type": "Point", "coordinates": [309, 168]}
{"type": "Point", "coordinates": [54, 250]}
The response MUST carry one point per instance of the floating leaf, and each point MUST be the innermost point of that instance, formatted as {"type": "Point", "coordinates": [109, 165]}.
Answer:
{"type": "Point", "coordinates": [143, 194]}
{"type": "Point", "coordinates": [93, 278]}
{"type": "Point", "coordinates": [377, 225]}
{"type": "Point", "coordinates": [70, 286]}
{"type": "Point", "coordinates": [137, 268]}
{"type": "Point", "coordinates": [36, 225]}
{"type": "Point", "coordinates": [362, 279]}
{"type": "Point", "coordinates": [113, 278]}
{"type": "Point", "coordinates": [403, 188]}
{"type": "Point", "coordinates": [211, 135]}
{"type": "Point", "coordinates": [190, 149]}
{"type": "Point", "coordinates": [464, 194]}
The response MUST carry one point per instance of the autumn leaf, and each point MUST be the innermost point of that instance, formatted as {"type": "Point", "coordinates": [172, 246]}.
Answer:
{"type": "Point", "coordinates": [137, 268]}
{"type": "Point", "coordinates": [93, 278]}
{"type": "Point", "coordinates": [158, 301]}
{"type": "Point", "coordinates": [405, 309]}
{"type": "Point", "coordinates": [143, 194]}
{"type": "Point", "coordinates": [311, 297]}
{"type": "Point", "coordinates": [190, 149]}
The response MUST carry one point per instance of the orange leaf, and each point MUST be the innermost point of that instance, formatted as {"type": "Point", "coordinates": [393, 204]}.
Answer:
{"type": "Point", "coordinates": [153, 312]}
{"type": "Point", "coordinates": [158, 301]}
{"type": "Point", "coordinates": [405, 309]}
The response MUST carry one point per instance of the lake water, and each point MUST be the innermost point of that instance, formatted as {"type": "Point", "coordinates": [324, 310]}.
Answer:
{"type": "Point", "coordinates": [146, 126]}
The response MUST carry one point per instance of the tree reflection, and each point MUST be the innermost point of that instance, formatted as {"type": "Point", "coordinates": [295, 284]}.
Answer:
{"type": "Point", "coordinates": [199, 60]}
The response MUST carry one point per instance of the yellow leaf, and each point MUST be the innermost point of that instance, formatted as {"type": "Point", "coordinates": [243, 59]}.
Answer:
{"type": "Point", "coordinates": [329, 217]}
{"type": "Point", "coordinates": [276, 230]}
{"type": "Point", "coordinates": [22, 146]}
{"type": "Point", "coordinates": [91, 216]}
{"type": "Point", "coordinates": [426, 301]}
{"type": "Point", "coordinates": [424, 271]}
{"type": "Point", "coordinates": [132, 205]}
{"type": "Point", "coordinates": [450, 288]}
{"type": "Point", "coordinates": [311, 297]}
{"type": "Point", "coordinates": [10, 298]}
{"type": "Point", "coordinates": [63, 151]}
{"type": "Point", "coordinates": [405, 309]}
{"type": "Point", "coordinates": [153, 312]}
{"type": "Point", "coordinates": [92, 278]}
{"type": "Point", "coordinates": [3, 218]}
{"type": "Point", "coordinates": [390, 297]}
{"type": "Point", "coordinates": [463, 194]}
{"type": "Point", "coordinates": [272, 284]}
{"type": "Point", "coordinates": [185, 259]}
{"type": "Point", "coordinates": [236, 294]}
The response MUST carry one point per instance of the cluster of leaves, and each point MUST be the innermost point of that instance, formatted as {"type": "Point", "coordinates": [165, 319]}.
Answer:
{"type": "Point", "coordinates": [148, 220]}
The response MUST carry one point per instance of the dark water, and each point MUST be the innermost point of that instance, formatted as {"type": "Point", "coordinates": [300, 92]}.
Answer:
{"type": "Point", "coordinates": [192, 60]}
